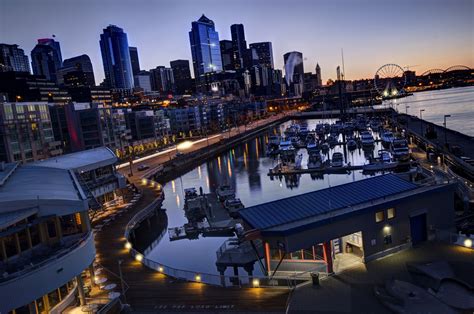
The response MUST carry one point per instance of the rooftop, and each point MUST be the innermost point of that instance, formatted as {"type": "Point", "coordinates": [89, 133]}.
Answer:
{"type": "Point", "coordinates": [318, 203]}
{"type": "Point", "coordinates": [81, 161]}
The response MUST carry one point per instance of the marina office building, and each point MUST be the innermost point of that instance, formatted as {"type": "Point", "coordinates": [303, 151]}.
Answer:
{"type": "Point", "coordinates": [46, 242]}
{"type": "Point", "coordinates": [349, 223]}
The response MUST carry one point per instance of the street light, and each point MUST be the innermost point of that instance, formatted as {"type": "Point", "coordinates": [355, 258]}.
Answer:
{"type": "Point", "coordinates": [445, 129]}
{"type": "Point", "coordinates": [421, 121]}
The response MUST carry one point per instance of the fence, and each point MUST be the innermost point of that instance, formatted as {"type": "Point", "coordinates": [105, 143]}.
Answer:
{"type": "Point", "coordinates": [211, 279]}
{"type": "Point", "coordinates": [455, 238]}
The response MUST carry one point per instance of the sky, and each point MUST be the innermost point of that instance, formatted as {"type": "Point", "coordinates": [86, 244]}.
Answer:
{"type": "Point", "coordinates": [420, 34]}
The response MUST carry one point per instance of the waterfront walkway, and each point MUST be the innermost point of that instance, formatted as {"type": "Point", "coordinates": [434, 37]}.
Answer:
{"type": "Point", "coordinates": [150, 291]}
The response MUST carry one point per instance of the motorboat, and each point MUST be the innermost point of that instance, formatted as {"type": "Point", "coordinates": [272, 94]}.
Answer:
{"type": "Point", "coordinates": [287, 150]}
{"type": "Point", "coordinates": [312, 147]}
{"type": "Point", "coordinates": [400, 150]}
{"type": "Point", "coordinates": [387, 138]}
{"type": "Point", "coordinates": [233, 205]}
{"type": "Point", "coordinates": [298, 161]}
{"type": "Point", "coordinates": [351, 144]}
{"type": "Point", "coordinates": [274, 141]}
{"type": "Point", "coordinates": [225, 192]}
{"type": "Point", "coordinates": [315, 160]}
{"type": "Point", "coordinates": [337, 160]}
{"type": "Point", "coordinates": [375, 124]}
{"type": "Point", "coordinates": [332, 141]}
{"type": "Point", "coordinates": [382, 163]}
{"type": "Point", "coordinates": [385, 156]}
{"type": "Point", "coordinates": [366, 139]}
{"type": "Point", "coordinates": [325, 147]}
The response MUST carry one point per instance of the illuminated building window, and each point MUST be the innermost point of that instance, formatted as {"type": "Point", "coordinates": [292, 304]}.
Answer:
{"type": "Point", "coordinates": [379, 216]}
{"type": "Point", "coordinates": [390, 213]}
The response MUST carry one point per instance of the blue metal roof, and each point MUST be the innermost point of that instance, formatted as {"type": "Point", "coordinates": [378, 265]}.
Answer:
{"type": "Point", "coordinates": [315, 203]}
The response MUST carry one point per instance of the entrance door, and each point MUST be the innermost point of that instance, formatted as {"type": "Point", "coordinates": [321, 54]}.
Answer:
{"type": "Point", "coordinates": [418, 228]}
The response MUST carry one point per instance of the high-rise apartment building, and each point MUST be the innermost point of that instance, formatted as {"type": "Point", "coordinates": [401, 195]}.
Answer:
{"type": "Point", "coordinates": [13, 58]}
{"type": "Point", "coordinates": [264, 53]}
{"type": "Point", "coordinates": [182, 76]}
{"type": "Point", "coordinates": [239, 45]}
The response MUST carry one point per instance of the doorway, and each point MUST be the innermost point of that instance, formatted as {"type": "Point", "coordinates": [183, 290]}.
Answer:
{"type": "Point", "coordinates": [418, 228]}
{"type": "Point", "coordinates": [348, 251]}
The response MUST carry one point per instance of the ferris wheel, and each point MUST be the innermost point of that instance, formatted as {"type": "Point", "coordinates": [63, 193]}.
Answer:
{"type": "Point", "coordinates": [390, 80]}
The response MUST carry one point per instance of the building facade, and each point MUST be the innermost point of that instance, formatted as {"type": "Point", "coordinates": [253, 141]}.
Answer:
{"type": "Point", "coordinates": [205, 48]}
{"type": "Point", "coordinates": [77, 71]}
{"type": "Point", "coordinates": [134, 60]}
{"type": "Point", "coordinates": [162, 80]}
{"type": "Point", "coordinates": [227, 54]}
{"type": "Point", "coordinates": [46, 59]}
{"type": "Point", "coordinates": [294, 72]}
{"type": "Point", "coordinates": [13, 58]}
{"type": "Point", "coordinates": [182, 76]}
{"type": "Point", "coordinates": [239, 46]}
{"type": "Point", "coordinates": [26, 132]}
{"type": "Point", "coordinates": [264, 52]}
{"type": "Point", "coordinates": [116, 58]}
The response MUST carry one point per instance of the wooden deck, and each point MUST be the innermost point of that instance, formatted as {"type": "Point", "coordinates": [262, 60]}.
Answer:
{"type": "Point", "coordinates": [153, 292]}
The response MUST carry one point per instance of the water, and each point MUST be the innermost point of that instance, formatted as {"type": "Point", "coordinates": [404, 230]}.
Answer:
{"type": "Point", "coordinates": [458, 102]}
{"type": "Point", "coordinates": [244, 167]}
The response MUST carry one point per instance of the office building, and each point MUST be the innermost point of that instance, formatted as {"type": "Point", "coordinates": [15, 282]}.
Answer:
{"type": "Point", "coordinates": [205, 48]}
{"type": "Point", "coordinates": [294, 72]}
{"type": "Point", "coordinates": [134, 60]}
{"type": "Point", "coordinates": [13, 58]}
{"type": "Point", "coordinates": [264, 53]}
{"type": "Point", "coordinates": [162, 80]}
{"type": "Point", "coordinates": [26, 132]}
{"type": "Point", "coordinates": [319, 79]}
{"type": "Point", "coordinates": [147, 124]}
{"type": "Point", "coordinates": [182, 76]}
{"type": "Point", "coordinates": [143, 81]}
{"type": "Point", "coordinates": [239, 45]}
{"type": "Point", "coordinates": [46, 59]}
{"type": "Point", "coordinates": [227, 54]}
{"type": "Point", "coordinates": [22, 86]}
{"type": "Point", "coordinates": [76, 71]}
{"type": "Point", "coordinates": [185, 120]}
{"type": "Point", "coordinates": [116, 58]}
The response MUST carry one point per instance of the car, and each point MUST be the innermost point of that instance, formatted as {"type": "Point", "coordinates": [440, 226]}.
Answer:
{"type": "Point", "coordinates": [143, 167]}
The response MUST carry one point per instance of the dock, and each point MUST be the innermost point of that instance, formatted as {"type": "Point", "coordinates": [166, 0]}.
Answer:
{"type": "Point", "coordinates": [276, 171]}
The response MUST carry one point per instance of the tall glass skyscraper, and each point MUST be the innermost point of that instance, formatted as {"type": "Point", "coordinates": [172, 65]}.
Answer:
{"type": "Point", "coordinates": [205, 48]}
{"type": "Point", "coordinates": [264, 52]}
{"type": "Point", "coordinates": [239, 45]}
{"type": "Point", "coordinates": [13, 58]}
{"type": "Point", "coordinates": [46, 58]}
{"type": "Point", "coordinates": [116, 58]}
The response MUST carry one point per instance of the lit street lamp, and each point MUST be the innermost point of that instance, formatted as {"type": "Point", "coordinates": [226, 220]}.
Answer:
{"type": "Point", "coordinates": [421, 121]}
{"type": "Point", "coordinates": [445, 129]}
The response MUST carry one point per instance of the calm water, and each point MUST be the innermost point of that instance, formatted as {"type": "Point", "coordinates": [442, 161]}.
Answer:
{"type": "Point", "coordinates": [458, 102]}
{"type": "Point", "coordinates": [245, 168]}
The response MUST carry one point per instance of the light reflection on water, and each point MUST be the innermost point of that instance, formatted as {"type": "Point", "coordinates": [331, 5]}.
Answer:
{"type": "Point", "coordinates": [244, 167]}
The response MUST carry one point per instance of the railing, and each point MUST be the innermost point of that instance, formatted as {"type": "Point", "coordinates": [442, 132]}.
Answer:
{"type": "Point", "coordinates": [193, 276]}
{"type": "Point", "coordinates": [57, 255]}
{"type": "Point", "coordinates": [455, 238]}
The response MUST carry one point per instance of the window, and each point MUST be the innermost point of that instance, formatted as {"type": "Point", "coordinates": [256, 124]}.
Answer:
{"type": "Point", "coordinates": [35, 235]}
{"type": "Point", "coordinates": [379, 216]}
{"type": "Point", "coordinates": [51, 225]}
{"type": "Point", "coordinates": [390, 213]}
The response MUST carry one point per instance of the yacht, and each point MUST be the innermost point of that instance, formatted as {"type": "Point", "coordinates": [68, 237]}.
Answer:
{"type": "Point", "coordinates": [325, 147]}
{"type": "Point", "coordinates": [337, 160]}
{"type": "Point", "coordinates": [400, 150]}
{"type": "Point", "coordinates": [315, 160]}
{"type": "Point", "coordinates": [332, 141]}
{"type": "Point", "coordinates": [375, 124]}
{"type": "Point", "coordinates": [387, 138]}
{"type": "Point", "coordinates": [233, 205]}
{"type": "Point", "coordinates": [366, 139]}
{"type": "Point", "coordinates": [298, 161]}
{"type": "Point", "coordinates": [225, 192]}
{"type": "Point", "coordinates": [385, 156]}
{"type": "Point", "coordinates": [286, 150]}
{"type": "Point", "coordinates": [312, 147]}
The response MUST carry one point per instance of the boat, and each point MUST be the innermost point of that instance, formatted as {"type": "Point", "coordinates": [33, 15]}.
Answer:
{"type": "Point", "coordinates": [348, 127]}
{"type": "Point", "coordinates": [298, 161]}
{"type": "Point", "coordinates": [312, 147]}
{"type": "Point", "coordinates": [225, 192]}
{"type": "Point", "coordinates": [387, 138]}
{"type": "Point", "coordinates": [382, 163]}
{"type": "Point", "coordinates": [366, 139]}
{"type": "Point", "coordinates": [233, 205]}
{"type": "Point", "coordinates": [332, 141]}
{"type": "Point", "coordinates": [315, 160]}
{"type": "Point", "coordinates": [274, 141]}
{"type": "Point", "coordinates": [351, 144]}
{"type": "Point", "coordinates": [400, 150]}
{"type": "Point", "coordinates": [190, 193]}
{"type": "Point", "coordinates": [325, 147]}
{"type": "Point", "coordinates": [287, 150]}
{"type": "Point", "coordinates": [375, 124]}
{"type": "Point", "coordinates": [292, 130]}
{"type": "Point", "coordinates": [385, 156]}
{"type": "Point", "coordinates": [337, 160]}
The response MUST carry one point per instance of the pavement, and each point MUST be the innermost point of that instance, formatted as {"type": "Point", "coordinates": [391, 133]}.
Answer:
{"type": "Point", "coordinates": [352, 291]}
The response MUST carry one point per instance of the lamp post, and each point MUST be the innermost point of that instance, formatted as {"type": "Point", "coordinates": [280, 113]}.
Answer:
{"type": "Point", "coordinates": [445, 129]}
{"type": "Point", "coordinates": [421, 121]}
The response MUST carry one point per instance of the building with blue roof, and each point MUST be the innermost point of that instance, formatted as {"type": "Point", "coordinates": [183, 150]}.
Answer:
{"type": "Point", "coordinates": [368, 218]}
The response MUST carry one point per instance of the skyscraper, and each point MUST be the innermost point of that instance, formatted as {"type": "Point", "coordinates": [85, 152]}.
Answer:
{"type": "Point", "coordinates": [116, 58]}
{"type": "Point", "coordinates": [13, 58]}
{"type": "Point", "coordinates": [227, 53]}
{"type": "Point", "coordinates": [182, 76]}
{"type": "Point", "coordinates": [134, 60]}
{"type": "Point", "coordinates": [239, 45]}
{"type": "Point", "coordinates": [294, 72]}
{"type": "Point", "coordinates": [77, 71]}
{"type": "Point", "coordinates": [162, 79]}
{"type": "Point", "coordinates": [46, 58]}
{"type": "Point", "coordinates": [205, 47]}
{"type": "Point", "coordinates": [319, 80]}
{"type": "Point", "coordinates": [264, 52]}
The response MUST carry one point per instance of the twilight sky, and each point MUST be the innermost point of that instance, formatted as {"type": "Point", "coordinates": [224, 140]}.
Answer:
{"type": "Point", "coordinates": [421, 33]}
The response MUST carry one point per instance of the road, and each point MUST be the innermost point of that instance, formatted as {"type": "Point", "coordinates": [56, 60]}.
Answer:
{"type": "Point", "coordinates": [154, 161]}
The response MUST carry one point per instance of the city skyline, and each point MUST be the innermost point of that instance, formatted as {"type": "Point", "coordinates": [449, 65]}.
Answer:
{"type": "Point", "coordinates": [367, 43]}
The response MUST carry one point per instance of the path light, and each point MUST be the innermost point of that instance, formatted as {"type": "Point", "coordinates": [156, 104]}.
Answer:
{"type": "Point", "coordinates": [144, 181]}
{"type": "Point", "coordinates": [139, 257]}
{"type": "Point", "coordinates": [468, 243]}
{"type": "Point", "coordinates": [128, 245]}
{"type": "Point", "coordinates": [256, 283]}
{"type": "Point", "coordinates": [160, 269]}
{"type": "Point", "coordinates": [198, 278]}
